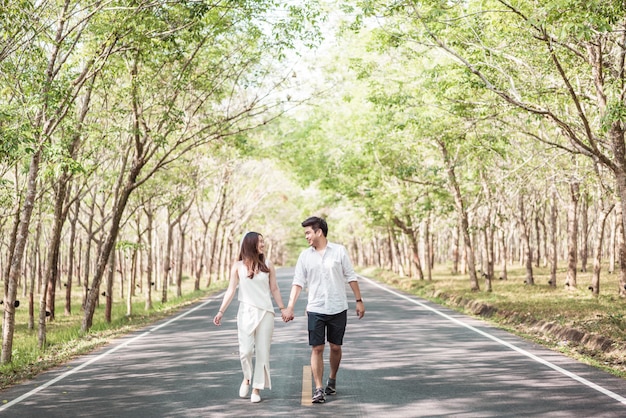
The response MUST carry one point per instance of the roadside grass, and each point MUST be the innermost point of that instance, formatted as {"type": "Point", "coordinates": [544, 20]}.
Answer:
{"type": "Point", "coordinates": [65, 340]}
{"type": "Point", "coordinates": [534, 312]}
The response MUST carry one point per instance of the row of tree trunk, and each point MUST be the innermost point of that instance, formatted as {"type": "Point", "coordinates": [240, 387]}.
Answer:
{"type": "Point", "coordinates": [551, 237]}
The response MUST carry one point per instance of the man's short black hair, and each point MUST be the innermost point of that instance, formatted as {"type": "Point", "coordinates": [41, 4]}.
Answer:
{"type": "Point", "coordinates": [316, 223]}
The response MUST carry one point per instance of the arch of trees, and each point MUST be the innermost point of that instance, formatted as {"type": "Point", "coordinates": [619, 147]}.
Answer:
{"type": "Point", "coordinates": [138, 141]}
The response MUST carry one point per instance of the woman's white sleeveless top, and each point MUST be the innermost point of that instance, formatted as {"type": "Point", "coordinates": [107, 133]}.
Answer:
{"type": "Point", "coordinates": [254, 298]}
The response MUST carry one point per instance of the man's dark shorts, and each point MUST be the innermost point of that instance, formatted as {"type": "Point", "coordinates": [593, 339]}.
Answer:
{"type": "Point", "coordinates": [331, 326]}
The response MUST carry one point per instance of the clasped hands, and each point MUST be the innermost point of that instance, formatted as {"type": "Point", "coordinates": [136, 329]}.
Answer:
{"type": "Point", "coordinates": [287, 314]}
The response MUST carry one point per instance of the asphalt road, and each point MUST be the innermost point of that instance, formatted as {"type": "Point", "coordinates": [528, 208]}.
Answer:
{"type": "Point", "coordinates": [405, 358]}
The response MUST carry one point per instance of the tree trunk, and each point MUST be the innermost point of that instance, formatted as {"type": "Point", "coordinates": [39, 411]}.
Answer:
{"type": "Point", "coordinates": [621, 252]}
{"type": "Point", "coordinates": [79, 270]}
{"type": "Point", "coordinates": [504, 255]}
{"type": "Point", "coordinates": [121, 268]}
{"type": "Point", "coordinates": [597, 264]}
{"type": "Point", "coordinates": [108, 293]}
{"type": "Point", "coordinates": [33, 275]}
{"type": "Point", "coordinates": [220, 215]}
{"type": "Point", "coordinates": [221, 255]}
{"type": "Point", "coordinates": [525, 237]}
{"type": "Point", "coordinates": [491, 237]}
{"type": "Point", "coordinates": [167, 259]}
{"type": "Point", "coordinates": [132, 277]}
{"type": "Point", "coordinates": [131, 283]}
{"type": "Point", "coordinates": [47, 306]}
{"type": "Point", "coordinates": [462, 255]}
{"type": "Point", "coordinates": [87, 256]}
{"type": "Point", "coordinates": [31, 299]}
{"type": "Point", "coordinates": [456, 253]}
{"type": "Point", "coordinates": [486, 268]}
{"type": "Point", "coordinates": [181, 258]}
{"type": "Point", "coordinates": [8, 324]}
{"type": "Point", "coordinates": [61, 208]}
{"type": "Point", "coordinates": [109, 242]}
{"type": "Point", "coordinates": [584, 215]}
{"type": "Point", "coordinates": [150, 262]}
{"type": "Point", "coordinates": [538, 235]}
{"type": "Point", "coordinates": [229, 247]}
{"type": "Point", "coordinates": [462, 214]}
{"type": "Point", "coordinates": [52, 265]}
{"type": "Point", "coordinates": [488, 237]}
{"type": "Point", "coordinates": [12, 242]}
{"type": "Point", "coordinates": [409, 231]}
{"type": "Point", "coordinates": [70, 276]}
{"type": "Point", "coordinates": [554, 255]}
{"type": "Point", "coordinates": [612, 243]}
{"type": "Point", "coordinates": [429, 249]}
{"type": "Point", "coordinates": [616, 134]}
{"type": "Point", "coordinates": [572, 235]}
{"type": "Point", "coordinates": [544, 229]}
{"type": "Point", "coordinates": [199, 262]}
{"type": "Point", "coordinates": [389, 246]}
{"type": "Point", "coordinates": [396, 252]}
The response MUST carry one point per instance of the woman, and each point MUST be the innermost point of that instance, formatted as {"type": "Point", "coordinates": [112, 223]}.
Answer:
{"type": "Point", "coordinates": [256, 279]}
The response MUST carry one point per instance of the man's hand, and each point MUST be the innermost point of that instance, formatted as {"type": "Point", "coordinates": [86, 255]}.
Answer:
{"type": "Point", "coordinates": [287, 314]}
{"type": "Point", "coordinates": [360, 309]}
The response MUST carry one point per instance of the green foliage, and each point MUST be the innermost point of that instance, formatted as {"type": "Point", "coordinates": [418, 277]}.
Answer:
{"type": "Point", "coordinates": [615, 112]}
{"type": "Point", "coordinates": [6, 195]}
{"type": "Point", "coordinates": [125, 245]}
{"type": "Point", "coordinates": [15, 138]}
{"type": "Point", "coordinates": [578, 19]}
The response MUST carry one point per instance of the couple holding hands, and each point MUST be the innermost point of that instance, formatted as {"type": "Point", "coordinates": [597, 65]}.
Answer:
{"type": "Point", "coordinates": [324, 268]}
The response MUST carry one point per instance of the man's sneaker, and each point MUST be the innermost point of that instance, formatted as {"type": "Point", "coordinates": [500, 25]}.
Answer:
{"type": "Point", "coordinates": [330, 389]}
{"type": "Point", "coordinates": [319, 396]}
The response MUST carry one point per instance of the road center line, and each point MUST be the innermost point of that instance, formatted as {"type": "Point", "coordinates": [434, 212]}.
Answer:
{"type": "Point", "coordinates": [504, 343]}
{"type": "Point", "coordinates": [101, 356]}
{"type": "Point", "coordinates": [307, 386]}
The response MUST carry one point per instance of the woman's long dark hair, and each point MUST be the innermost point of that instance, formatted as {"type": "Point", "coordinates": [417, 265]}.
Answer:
{"type": "Point", "coordinates": [250, 256]}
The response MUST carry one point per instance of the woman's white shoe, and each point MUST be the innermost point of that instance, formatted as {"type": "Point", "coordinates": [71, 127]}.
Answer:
{"type": "Point", "coordinates": [255, 398]}
{"type": "Point", "coordinates": [243, 390]}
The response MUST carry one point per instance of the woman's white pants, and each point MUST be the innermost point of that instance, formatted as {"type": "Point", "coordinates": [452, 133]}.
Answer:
{"type": "Point", "coordinates": [256, 342]}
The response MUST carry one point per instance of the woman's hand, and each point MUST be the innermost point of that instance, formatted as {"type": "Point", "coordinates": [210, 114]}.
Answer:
{"type": "Point", "coordinates": [287, 314]}
{"type": "Point", "coordinates": [217, 319]}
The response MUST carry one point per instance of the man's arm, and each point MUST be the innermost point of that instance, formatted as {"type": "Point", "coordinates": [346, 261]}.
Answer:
{"type": "Point", "coordinates": [346, 265]}
{"type": "Point", "coordinates": [360, 307]}
{"type": "Point", "coordinates": [288, 314]}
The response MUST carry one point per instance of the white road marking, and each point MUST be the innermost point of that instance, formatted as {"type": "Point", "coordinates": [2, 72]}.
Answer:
{"type": "Point", "coordinates": [504, 343]}
{"type": "Point", "coordinates": [101, 356]}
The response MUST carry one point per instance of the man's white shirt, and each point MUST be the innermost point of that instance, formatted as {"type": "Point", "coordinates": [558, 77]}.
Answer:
{"type": "Point", "coordinates": [325, 276]}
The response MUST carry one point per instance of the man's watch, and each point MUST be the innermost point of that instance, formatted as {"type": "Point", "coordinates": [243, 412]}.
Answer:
{"type": "Point", "coordinates": [359, 300]}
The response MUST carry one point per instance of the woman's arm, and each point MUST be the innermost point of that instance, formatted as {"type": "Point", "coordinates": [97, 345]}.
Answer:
{"type": "Point", "coordinates": [229, 295]}
{"type": "Point", "coordinates": [274, 288]}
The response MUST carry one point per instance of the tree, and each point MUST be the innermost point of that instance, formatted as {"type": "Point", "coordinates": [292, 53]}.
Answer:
{"type": "Point", "coordinates": [52, 96]}
{"type": "Point", "coordinates": [185, 49]}
{"type": "Point", "coordinates": [559, 60]}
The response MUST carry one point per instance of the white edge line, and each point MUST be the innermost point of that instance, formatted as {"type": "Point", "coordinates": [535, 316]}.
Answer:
{"type": "Point", "coordinates": [97, 358]}
{"type": "Point", "coordinates": [506, 344]}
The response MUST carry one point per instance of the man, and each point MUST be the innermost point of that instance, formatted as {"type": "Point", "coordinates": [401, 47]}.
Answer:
{"type": "Point", "coordinates": [325, 268]}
